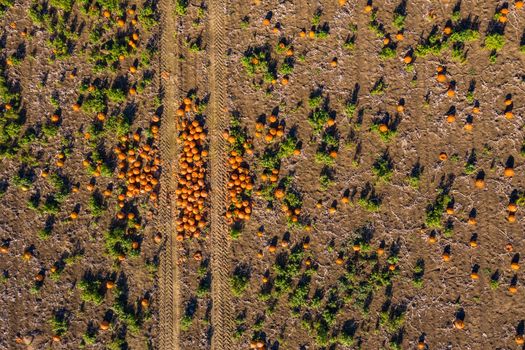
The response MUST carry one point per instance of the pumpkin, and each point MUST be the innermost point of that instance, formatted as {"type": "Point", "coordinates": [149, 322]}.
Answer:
{"type": "Point", "coordinates": [518, 4]}
{"type": "Point", "coordinates": [459, 324]}
{"type": "Point", "coordinates": [441, 78]}
{"type": "Point", "coordinates": [443, 156]}
{"type": "Point", "coordinates": [513, 289]}
{"type": "Point", "coordinates": [519, 338]}
{"type": "Point", "coordinates": [27, 255]}
{"type": "Point", "coordinates": [279, 193]}
{"type": "Point", "coordinates": [509, 115]}
{"type": "Point", "coordinates": [144, 302]}
{"type": "Point", "coordinates": [508, 172]}
{"type": "Point", "coordinates": [474, 275]}
{"type": "Point", "coordinates": [479, 183]}
{"type": "Point", "coordinates": [104, 325]}
{"type": "Point", "coordinates": [110, 284]}
{"type": "Point", "coordinates": [515, 266]}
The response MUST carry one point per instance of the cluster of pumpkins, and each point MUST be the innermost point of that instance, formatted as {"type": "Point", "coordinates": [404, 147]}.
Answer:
{"type": "Point", "coordinates": [239, 185]}
{"type": "Point", "coordinates": [139, 165]}
{"type": "Point", "coordinates": [191, 189]}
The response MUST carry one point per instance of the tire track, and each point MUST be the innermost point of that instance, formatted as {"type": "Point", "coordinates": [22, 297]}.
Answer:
{"type": "Point", "coordinates": [169, 272]}
{"type": "Point", "coordinates": [222, 316]}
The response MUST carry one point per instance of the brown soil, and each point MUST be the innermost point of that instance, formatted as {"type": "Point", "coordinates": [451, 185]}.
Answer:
{"type": "Point", "coordinates": [407, 295]}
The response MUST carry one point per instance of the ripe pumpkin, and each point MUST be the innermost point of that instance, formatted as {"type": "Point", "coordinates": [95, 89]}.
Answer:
{"type": "Point", "coordinates": [459, 324]}
{"type": "Point", "coordinates": [104, 325]}
{"type": "Point", "coordinates": [508, 172]}
{"type": "Point", "coordinates": [441, 78]}
{"type": "Point", "coordinates": [144, 302]}
{"type": "Point", "coordinates": [479, 183]}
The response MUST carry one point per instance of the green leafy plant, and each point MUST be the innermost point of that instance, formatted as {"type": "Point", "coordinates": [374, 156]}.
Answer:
{"type": "Point", "coordinates": [239, 282]}
{"type": "Point", "coordinates": [91, 291]}
{"type": "Point", "coordinates": [383, 168]}
{"type": "Point", "coordinates": [494, 41]}
{"type": "Point", "coordinates": [435, 211]}
{"type": "Point", "coordinates": [59, 324]}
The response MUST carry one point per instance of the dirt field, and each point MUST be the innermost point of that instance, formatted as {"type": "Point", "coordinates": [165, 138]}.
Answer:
{"type": "Point", "coordinates": [302, 175]}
